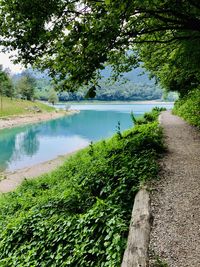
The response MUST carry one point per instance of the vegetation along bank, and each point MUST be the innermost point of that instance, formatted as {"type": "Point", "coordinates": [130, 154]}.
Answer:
{"type": "Point", "coordinates": [79, 214]}
{"type": "Point", "coordinates": [17, 112]}
{"type": "Point", "coordinates": [188, 107]}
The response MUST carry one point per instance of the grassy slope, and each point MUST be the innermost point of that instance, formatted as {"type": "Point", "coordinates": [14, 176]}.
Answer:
{"type": "Point", "coordinates": [79, 215]}
{"type": "Point", "coordinates": [19, 107]}
{"type": "Point", "coordinates": [189, 108]}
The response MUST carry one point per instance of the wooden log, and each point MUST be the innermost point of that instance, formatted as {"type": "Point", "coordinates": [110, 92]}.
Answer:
{"type": "Point", "coordinates": [136, 253]}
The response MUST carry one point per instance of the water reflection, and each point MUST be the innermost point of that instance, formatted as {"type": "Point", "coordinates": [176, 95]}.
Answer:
{"type": "Point", "coordinates": [30, 143]}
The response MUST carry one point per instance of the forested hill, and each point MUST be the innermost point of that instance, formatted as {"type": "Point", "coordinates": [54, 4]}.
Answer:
{"type": "Point", "coordinates": [134, 85]}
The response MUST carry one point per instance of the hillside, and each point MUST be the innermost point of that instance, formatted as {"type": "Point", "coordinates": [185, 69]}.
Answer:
{"type": "Point", "coordinates": [13, 106]}
{"type": "Point", "coordinates": [133, 86]}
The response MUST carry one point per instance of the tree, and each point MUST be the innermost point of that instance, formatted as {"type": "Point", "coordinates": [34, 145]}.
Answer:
{"type": "Point", "coordinates": [176, 67]}
{"type": "Point", "coordinates": [73, 39]}
{"type": "Point", "coordinates": [53, 98]}
{"type": "Point", "coordinates": [6, 86]}
{"type": "Point", "coordinates": [26, 86]}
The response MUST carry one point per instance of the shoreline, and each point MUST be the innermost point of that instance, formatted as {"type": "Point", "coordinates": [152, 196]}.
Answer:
{"type": "Point", "coordinates": [20, 120]}
{"type": "Point", "coordinates": [116, 102]}
{"type": "Point", "coordinates": [10, 180]}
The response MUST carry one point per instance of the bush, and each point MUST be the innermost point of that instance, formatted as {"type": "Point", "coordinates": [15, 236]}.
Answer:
{"type": "Point", "coordinates": [148, 117]}
{"type": "Point", "coordinates": [189, 107]}
{"type": "Point", "coordinates": [79, 214]}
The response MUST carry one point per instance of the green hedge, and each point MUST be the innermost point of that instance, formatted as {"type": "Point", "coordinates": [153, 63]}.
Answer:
{"type": "Point", "coordinates": [189, 108]}
{"type": "Point", "coordinates": [79, 214]}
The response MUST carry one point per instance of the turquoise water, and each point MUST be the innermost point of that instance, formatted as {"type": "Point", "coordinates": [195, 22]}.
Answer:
{"type": "Point", "coordinates": [29, 145]}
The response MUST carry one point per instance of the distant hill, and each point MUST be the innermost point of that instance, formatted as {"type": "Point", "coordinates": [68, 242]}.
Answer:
{"type": "Point", "coordinates": [35, 73]}
{"type": "Point", "coordinates": [137, 87]}
{"type": "Point", "coordinates": [137, 76]}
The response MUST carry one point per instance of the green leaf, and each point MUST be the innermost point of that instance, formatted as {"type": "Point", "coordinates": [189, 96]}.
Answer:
{"type": "Point", "coordinates": [91, 93]}
{"type": "Point", "coordinates": [107, 2]}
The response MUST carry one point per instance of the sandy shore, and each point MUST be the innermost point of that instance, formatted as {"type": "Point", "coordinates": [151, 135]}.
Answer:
{"type": "Point", "coordinates": [20, 120]}
{"type": "Point", "coordinates": [10, 180]}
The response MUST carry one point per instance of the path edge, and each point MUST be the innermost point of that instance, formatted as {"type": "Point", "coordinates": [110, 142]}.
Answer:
{"type": "Point", "coordinates": [136, 253]}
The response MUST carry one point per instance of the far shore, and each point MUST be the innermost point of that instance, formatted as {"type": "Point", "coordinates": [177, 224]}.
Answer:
{"type": "Point", "coordinates": [20, 120]}
{"type": "Point", "coordinates": [99, 102]}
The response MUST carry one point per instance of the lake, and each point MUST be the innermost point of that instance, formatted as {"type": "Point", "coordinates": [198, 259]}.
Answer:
{"type": "Point", "coordinates": [32, 144]}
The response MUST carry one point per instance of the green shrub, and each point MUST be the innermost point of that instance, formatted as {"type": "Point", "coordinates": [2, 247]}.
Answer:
{"type": "Point", "coordinates": [79, 214]}
{"type": "Point", "coordinates": [159, 263]}
{"type": "Point", "coordinates": [189, 108]}
{"type": "Point", "coordinates": [148, 117]}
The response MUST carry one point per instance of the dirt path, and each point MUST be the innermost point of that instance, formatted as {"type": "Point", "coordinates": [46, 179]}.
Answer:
{"type": "Point", "coordinates": [175, 235]}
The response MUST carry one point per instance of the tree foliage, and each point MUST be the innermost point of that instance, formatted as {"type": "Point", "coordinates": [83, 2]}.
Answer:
{"type": "Point", "coordinates": [6, 85]}
{"type": "Point", "coordinates": [74, 39]}
{"type": "Point", "coordinates": [117, 91]}
{"type": "Point", "coordinates": [53, 98]}
{"type": "Point", "coordinates": [189, 107]}
{"type": "Point", "coordinates": [25, 86]}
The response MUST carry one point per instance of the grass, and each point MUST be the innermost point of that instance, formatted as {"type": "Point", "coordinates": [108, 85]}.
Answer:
{"type": "Point", "coordinates": [159, 263]}
{"type": "Point", "coordinates": [14, 106]}
{"type": "Point", "coordinates": [79, 215]}
{"type": "Point", "coordinates": [189, 108]}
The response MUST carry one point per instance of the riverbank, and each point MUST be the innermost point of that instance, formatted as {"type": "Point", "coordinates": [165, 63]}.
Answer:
{"type": "Point", "coordinates": [10, 180]}
{"type": "Point", "coordinates": [19, 120]}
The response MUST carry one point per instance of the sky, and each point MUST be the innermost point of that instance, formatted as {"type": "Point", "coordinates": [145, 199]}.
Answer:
{"type": "Point", "coordinates": [7, 63]}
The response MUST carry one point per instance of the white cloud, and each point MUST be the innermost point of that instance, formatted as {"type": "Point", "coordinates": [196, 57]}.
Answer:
{"type": "Point", "coordinates": [6, 62]}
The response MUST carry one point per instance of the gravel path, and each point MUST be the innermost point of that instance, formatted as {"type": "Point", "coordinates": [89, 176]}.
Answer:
{"type": "Point", "coordinates": [175, 235]}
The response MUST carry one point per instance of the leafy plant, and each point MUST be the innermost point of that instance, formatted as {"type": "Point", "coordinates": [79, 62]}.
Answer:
{"type": "Point", "coordinates": [148, 117]}
{"type": "Point", "coordinates": [188, 107]}
{"type": "Point", "coordinates": [133, 118]}
{"type": "Point", "coordinates": [118, 130]}
{"type": "Point", "coordinates": [159, 263]}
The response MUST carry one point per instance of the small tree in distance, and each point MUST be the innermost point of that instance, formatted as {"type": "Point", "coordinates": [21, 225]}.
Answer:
{"type": "Point", "coordinates": [26, 86]}
{"type": "Point", "coordinates": [53, 98]}
{"type": "Point", "coordinates": [6, 86]}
